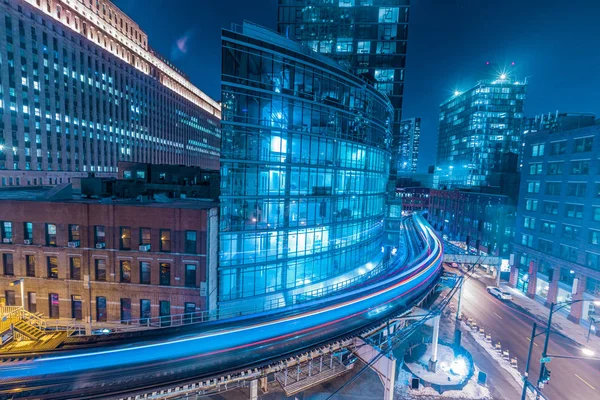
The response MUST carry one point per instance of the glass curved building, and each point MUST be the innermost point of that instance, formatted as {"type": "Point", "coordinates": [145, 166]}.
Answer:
{"type": "Point", "coordinates": [304, 163]}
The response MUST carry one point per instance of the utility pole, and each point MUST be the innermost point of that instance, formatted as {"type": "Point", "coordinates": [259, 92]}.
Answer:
{"type": "Point", "coordinates": [546, 340]}
{"type": "Point", "coordinates": [526, 376]}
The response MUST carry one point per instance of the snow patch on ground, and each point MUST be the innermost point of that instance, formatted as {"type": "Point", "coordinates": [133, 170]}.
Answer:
{"type": "Point", "coordinates": [444, 375]}
{"type": "Point", "coordinates": [472, 390]}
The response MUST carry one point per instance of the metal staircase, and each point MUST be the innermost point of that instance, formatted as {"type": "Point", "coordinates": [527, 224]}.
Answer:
{"type": "Point", "coordinates": [17, 323]}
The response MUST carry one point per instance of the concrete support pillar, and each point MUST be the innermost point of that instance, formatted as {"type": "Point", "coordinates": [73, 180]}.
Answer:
{"type": "Point", "coordinates": [254, 389]}
{"type": "Point", "coordinates": [264, 385]}
{"type": "Point", "coordinates": [434, 344]}
{"type": "Point", "coordinates": [577, 294]}
{"type": "Point", "coordinates": [553, 287]}
{"type": "Point", "coordinates": [384, 366]}
{"type": "Point", "coordinates": [533, 267]}
{"type": "Point", "coordinates": [514, 276]}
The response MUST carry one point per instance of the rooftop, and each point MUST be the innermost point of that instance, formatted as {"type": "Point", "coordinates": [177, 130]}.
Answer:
{"type": "Point", "coordinates": [63, 194]}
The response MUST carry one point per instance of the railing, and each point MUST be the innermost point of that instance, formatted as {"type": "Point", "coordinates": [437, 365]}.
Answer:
{"type": "Point", "coordinates": [10, 314]}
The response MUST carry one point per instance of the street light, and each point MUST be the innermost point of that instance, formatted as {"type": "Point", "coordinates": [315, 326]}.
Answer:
{"type": "Point", "coordinates": [587, 352]}
{"type": "Point", "coordinates": [20, 282]}
{"type": "Point", "coordinates": [548, 330]}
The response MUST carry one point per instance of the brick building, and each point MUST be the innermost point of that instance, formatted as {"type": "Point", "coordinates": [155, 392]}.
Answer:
{"type": "Point", "coordinates": [106, 259]}
{"type": "Point", "coordinates": [414, 199]}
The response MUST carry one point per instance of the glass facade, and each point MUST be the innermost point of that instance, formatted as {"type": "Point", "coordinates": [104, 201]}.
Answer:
{"type": "Point", "coordinates": [410, 136]}
{"type": "Point", "coordinates": [369, 36]}
{"type": "Point", "coordinates": [304, 164]}
{"type": "Point", "coordinates": [476, 128]}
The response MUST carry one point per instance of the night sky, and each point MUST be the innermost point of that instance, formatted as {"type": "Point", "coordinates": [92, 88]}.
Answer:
{"type": "Point", "coordinates": [553, 43]}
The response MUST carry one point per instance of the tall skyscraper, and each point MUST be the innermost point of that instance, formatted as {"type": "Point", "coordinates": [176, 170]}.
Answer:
{"type": "Point", "coordinates": [304, 167]}
{"type": "Point", "coordinates": [410, 134]}
{"type": "Point", "coordinates": [80, 90]}
{"type": "Point", "coordinates": [369, 36]}
{"type": "Point", "coordinates": [476, 128]}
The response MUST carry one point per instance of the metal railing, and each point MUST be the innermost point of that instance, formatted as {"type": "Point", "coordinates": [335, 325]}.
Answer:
{"type": "Point", "coordinates": [11, 314]}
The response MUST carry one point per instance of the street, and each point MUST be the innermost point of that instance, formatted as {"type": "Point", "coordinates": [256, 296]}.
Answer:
{"type": "Point", "coordinates": [570, 379]}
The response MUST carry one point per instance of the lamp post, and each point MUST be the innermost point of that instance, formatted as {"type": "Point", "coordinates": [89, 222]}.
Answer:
{"type": "Point", "coordinates": [548, 330]}
{"type": "Point", "coordinates": [20, 282]}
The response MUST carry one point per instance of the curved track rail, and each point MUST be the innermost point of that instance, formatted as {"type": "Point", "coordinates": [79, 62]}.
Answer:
{"type": "Point", "coordinates": [228, 345]}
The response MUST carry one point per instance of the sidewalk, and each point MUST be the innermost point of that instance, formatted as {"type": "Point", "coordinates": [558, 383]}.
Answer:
{"type": "Point", "coordinates": [560, 323]}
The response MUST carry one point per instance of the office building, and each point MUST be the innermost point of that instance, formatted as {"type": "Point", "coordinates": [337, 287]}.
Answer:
{"type": "Point", "coordinates": [369, 36]}
{"type": "Point", "coordinates": [81, 89]}
{"type": "Point", "coordinates": [557, 239]}
{"type": "Point", "coordinates": [476, 128]}
{"type": "Point", "coordinates": [110, 260]}
{"type": "Point", "coordinates": [304, 167]}
{"type": "Point", "coordinates": [410, 133]}
{"type": "Point", "coordinates": [414, 199]}
{"type": "Point", "coordinates": [482, 222]}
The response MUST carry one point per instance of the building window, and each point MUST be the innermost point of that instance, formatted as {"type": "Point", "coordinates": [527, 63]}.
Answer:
{"type": "Point", "coordinates": [550, 207]}
{"type": "Point", "coordinates": [570, 232]}
{"type": "Point", "coordinates": [545, 246]}
{"type": "Point", "coordinates": [576, 189]}
{"type": "Point", "coordinates": [28, 231]}
{"type": "Point", "coordinates": [344, 45]}
{"type": "Point", "coordinates": [51, 235]}
{"type": "Point", "coordinates": [99, 236]}
{"type": "Point", "coordinates": [548, 227]}
{"type": "Point", "coordinates": [101, 309]}
{"type": "Point", "coordinates": [7, 235]}
{"type": "Point", "coordinates": [145, 237]}
{"type": "Point", "coordinates": [7, 262]}
{"type": "Point", "coordinates": [596, 213]}
{"type": "Point", "coordinates": [125, 238]}
{"type": "Point", "coordinates": [580, 167]}
{"type": "Point", "coordinates": [583, 145]}
{"type": "Point", "coordinates": [165, 274]}
{"type": "Point", "coordinates": [165, 240]}
{"type": "Point", "coordinates": [531, 205]}
{"type": "Point", "coordinates": [537, 150]}
{"type": "Point", "coordinates": [555, 168]}
{"type": "Point", "coordinates": [52, 262]}
{"type": "Point", "coordinates": [53, 305]}
{"type": "Point", "coordinates": [74, 233]}
{"type": "Point", "coordinates": [75, 266]}
{"type": "Point", "coordinates": [594, 237]}
{"type": "Point", "coordinates": [535, 169]}
{"type": "Point", "coordinates": [558, 148]}
{"type": "Point", "coordinates": [568, 253]}
{"type": "Point", "coordinates": [145, 272]}
{"type": "Point", "coordinates": [527, 240]}
{"type": "Point", "coordinates": [533, 187]}
{"type": "Point", "coordinates": [10, 297]}
{"type": "Point", "coordinates": [125, 310]}
{"type": "Point", "coordinates": [76, 309]}
{"type": "Point", "coordinates": [140, 174]}
{"type": "Point", "coordinates": [31, 302]}
{"type": "Point", "coordinates": [529, 222]}
{"type": "Point", "coordinates": [364, 47]}
{"type": "Point", "coordinates": [190, 242]}
{"type": "Point", "coordinates": [127, 175]}
{"type": "Point", "coordinates": [145, 311]}
{"type": "Point", "coordinates": [190, 275]}
{"type": "Point", "coordinates": [125, 271]}
{"type": "Point", "coordinates": [552, 188]}
{"type": "Point", "coordinates": [574, 211]}
{"type": "Point", "coordinates": [388, 15]}
{"type": "Point", "coordinates": [593, 261]}
{"type": "Point", "coordinates": [189, 310]}
{"type": "Point", "coordinates": [165, 312]}
{"type": "Point", "coordinates": [30, 264]}
{"type": "Point", "coordinates": [100, 269]}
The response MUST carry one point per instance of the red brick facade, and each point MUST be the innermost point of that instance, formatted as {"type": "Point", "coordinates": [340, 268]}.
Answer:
{"type": "Point", "coordinates": [177, 218]}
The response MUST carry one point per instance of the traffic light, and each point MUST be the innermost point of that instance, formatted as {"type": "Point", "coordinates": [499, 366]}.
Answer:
{"type": "Point", "coordinates": [545, 375]}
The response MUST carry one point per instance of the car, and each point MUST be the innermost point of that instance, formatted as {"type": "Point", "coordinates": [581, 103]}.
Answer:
{"type": "Point", "coordinates": [499, 293]}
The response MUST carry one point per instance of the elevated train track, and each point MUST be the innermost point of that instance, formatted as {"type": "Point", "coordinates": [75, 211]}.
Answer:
{"type": "Point", "coordinates": [235, 346]}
